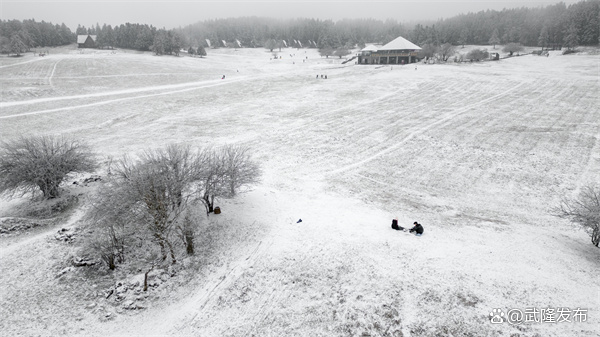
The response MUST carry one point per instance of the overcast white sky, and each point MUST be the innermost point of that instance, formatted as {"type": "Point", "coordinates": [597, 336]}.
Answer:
{"type": "Point", "coordinates": [172, 14]}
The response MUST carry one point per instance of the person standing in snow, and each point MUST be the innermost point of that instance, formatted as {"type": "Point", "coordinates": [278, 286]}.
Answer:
{"type": "Point", "coordinates": [417, 229]}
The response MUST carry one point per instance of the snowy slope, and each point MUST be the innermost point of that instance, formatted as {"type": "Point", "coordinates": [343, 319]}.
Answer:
{"type": "Point", "coordinates": [477, 153]}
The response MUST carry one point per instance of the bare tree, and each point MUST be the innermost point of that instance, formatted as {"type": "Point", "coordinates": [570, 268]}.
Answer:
{"type": "Point", "coordinates": [212, 180]}
{"type": "Point", "coordinates": [29, 164]}
{"type": "Point", "coordinates": [187, 230]}
{"type": "Point", "coordinates": [112, 224]}
{"type": "Point", "coordinates": [146, 209]}
{"type": "Point", "coordinates": [240, 169]}
{"type": "Point", "coordinates": [428, 51]}
{"type": "Point", "coordinates": [160, 184]}
{"type": "Point", "coordinates": [445, 51]}
{"type": "Point", "coordinates": [341, 52]}
{"type": "Point", "coordinates": [584, 210]}
{"type": "Point", "coordinates": [512, 48]}
{"type": "Point", "coordinates": [271, 44]}
{"type": "Point", "coordinates": [326, 51]}
{"type": "Point", "coordinates": [225, 171]}
{"type": "Point", "coordinates": [120, 228]}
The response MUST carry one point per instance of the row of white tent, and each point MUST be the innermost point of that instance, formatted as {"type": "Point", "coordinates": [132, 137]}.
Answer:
{"type": "Point", "coordinates": [239, 45]}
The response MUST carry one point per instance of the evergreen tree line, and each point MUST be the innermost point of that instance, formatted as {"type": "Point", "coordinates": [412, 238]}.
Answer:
{"type": "Point", "coordinates": [18, 37]}
{"type": "Point", "coordinates": [550, 26]}
{"type": "Point", "coordinates": [300, 33]}
{"type": "Point", "coordinates": [135, 36]}
{"type": "Point", "coordinates": [546, 26]}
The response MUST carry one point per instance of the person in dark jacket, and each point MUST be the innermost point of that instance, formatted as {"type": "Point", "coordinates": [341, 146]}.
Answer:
{"type": "Point", "coordinates": [417, 229]}
{"type": "Point", "coordinates": [395, 225]}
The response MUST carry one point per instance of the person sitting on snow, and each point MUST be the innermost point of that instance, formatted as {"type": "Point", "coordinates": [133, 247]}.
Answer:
{"type": "Point", "coordinates": [417, 228]}
{"type": "Point", "coordinates": [395, 225]}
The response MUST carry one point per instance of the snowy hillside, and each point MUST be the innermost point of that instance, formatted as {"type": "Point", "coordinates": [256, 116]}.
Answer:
{"type": "Point", "coordinates": [477, 153]}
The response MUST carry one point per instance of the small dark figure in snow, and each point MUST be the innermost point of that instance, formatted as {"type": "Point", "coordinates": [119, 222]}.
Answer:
{"type": "Point", "coordinates": [395, 225]}
{"type": "Point", "coordinates": [417, 229]}
{"type": "Point", "coordinates": [317, 76]}
{"type": "Point", "coordinates": [321, 76]}
{"type": "Point", "coordinates": [223, 77]}
{"type": "Point", "coordinates": [299, 221]}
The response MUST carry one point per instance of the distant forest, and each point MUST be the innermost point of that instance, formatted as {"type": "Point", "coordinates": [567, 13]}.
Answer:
{"type": "Point", "coordinates": [523, 25]}
{"type": "Point", "coordinates": [550, 26]}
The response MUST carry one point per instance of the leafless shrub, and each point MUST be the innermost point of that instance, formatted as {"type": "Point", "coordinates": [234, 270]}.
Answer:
{"type": "Point", "coordinates": [146, 210]}
{"type": "Point", "coordinates": [29, 164]}
{"type": "Point", "coordinates": [477, 54]}
{"type": "Point", "coordinates": [136, 211]}
{"type": "Point", "coordinates": [160, 185]}
{"type": "Point", "coordinates": [583, 210]}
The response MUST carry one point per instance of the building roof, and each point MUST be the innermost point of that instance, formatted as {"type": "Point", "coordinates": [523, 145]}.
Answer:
{"type": "Point", "coordinates": [400, 43]}
{"type": "Point", "coordinates": [82, 38]}
{"type": "Point", "coordinates": [370, 47]}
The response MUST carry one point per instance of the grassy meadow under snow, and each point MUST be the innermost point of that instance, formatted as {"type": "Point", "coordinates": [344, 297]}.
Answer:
{"type": "Point", "coordinates": [478, 153]}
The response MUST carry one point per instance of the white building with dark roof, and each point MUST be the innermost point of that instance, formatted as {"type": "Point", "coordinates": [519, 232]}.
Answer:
{"type": "Point", "coordinates": [398, 51]}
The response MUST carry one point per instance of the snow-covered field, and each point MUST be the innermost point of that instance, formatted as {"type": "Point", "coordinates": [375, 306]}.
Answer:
{"type": "Point", "coordinates": [478, 153]}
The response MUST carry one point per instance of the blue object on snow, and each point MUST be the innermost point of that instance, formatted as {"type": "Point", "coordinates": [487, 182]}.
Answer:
{"type": "Point", "coordinates": [299, 221]}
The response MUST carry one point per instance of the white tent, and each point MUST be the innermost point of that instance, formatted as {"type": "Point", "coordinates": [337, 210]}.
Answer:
{"type": "Point", "coordinates": [400, 43]}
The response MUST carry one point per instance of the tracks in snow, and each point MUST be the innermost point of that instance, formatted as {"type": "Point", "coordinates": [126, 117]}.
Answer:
{"type": "Point", "coordinates": [443, 120]}
{"type": "Point", "coordinates": [217, 284]}
{"type": "Point", "coordinates": [52, 73]}
{"type": "Point", "coordinates": [19, 244]}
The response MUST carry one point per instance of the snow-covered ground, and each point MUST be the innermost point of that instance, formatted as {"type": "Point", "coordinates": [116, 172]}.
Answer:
{"type": "Point", "coordinates": [478, 153]}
